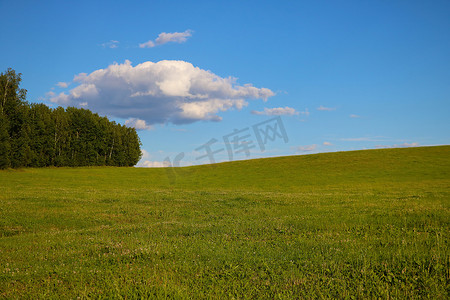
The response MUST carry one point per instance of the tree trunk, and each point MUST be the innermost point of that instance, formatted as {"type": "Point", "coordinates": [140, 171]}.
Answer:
{"type": "Point", "coordinates": [112, 147]}
{"type": "Point", "coordinates": [6, 90]}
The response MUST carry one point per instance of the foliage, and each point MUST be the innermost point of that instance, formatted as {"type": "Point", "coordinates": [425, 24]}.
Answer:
{"type": "Point", "coordinates": [364, 224]}
{"type": "Point", "coordinates": [34, 135]}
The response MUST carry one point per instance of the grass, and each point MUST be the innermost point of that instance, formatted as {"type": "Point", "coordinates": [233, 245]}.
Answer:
{"type": "Point", "coordinates": [361, 224]}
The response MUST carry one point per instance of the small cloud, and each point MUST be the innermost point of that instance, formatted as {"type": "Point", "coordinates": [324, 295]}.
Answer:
{"type": "Point", "coordinates": [145, 154]}
{"type": "Point", "coordinates": [327, 144]}
{"type": "Point", "coordinates": [177, 37]}
{"type": "Point", "coordinates": [138, 124]}
{"type": "Point", "coordinates": [111, 44]}
{"type": "Point", "coordinates": [148, 44]}
{"type": "Point", "coordinates": [354, 116]}
{"type": "Point", "coordinates": [323, 108]}
{"type": "Point", "coordinates": [277, 111]}
{"type": "Point", "coordinates": [168, 37]}
{"type": "Point", "coordinates": [409, 145]}
{"type": "Point", "coordinates": [404, 145]}
{"type": "Point", "coordinates": [83, 104]}
{"type": "Point", "coordinates": [305, 113]}
{"type": "Point", "coordinates": [153, 164]}
{"type": "Point", "coordinates": [50, 94]}
{"type": "Point", "coordinates": [63, 84]}
{"type": "Point", "coordinates": [306, 148]}
{"type": "Point", "coordinates": [80, 77]}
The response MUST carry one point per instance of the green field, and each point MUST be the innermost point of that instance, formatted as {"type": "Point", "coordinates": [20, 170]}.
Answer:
{"type": "Point", "coordinates": [361, 224]}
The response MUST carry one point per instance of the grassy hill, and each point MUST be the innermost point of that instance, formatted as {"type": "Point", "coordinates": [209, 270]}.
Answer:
{"type": "Point", "coordinates": [371, 223]}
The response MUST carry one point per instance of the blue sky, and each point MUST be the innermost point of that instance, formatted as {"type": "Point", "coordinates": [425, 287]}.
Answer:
{"type": "Point", "coordinates": [341, 75]}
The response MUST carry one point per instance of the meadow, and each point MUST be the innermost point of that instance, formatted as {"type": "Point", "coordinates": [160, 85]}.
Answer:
{"type": "Point", "coordinates": [360, 224]}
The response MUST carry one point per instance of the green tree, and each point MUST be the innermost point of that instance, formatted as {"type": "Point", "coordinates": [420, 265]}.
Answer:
{"type": "Point", "coordinates": [60, 137]}
{"type": "Point", "coordinates": [42, 131]}
{"type": "Point", "coordinates": [5, 146]}
{"type": "Point", "coordinates": [12, 98]}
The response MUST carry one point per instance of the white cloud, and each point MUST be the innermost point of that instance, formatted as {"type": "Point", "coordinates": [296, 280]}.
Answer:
{"type": "Point", "coordinates": [50, 94]}
{"type": "Point", "coordinates": [306, 148]}
{"type": "Point", "coordinates": [111, 44]}
{"type": "Point", "coordinates": [404, 145]}
{"type": "Point", "coordinates": [164, 37]}
{"type": "Point", "coordinates": [177, 37]}
{"type": "Point", "coordinates": [63, 84]}
{"type": "Point", "coordinates": [327, 144]}
{"type": "Point", "coordinates": [305, 113]}
{"type": "Point", "coordinates": [138, 124]}
{"type": "Point", "coordinates": [145, 154]}
{"type": "Point", "coordinates": [408, 145]}
{"type": "Point", "coordinates": [62, 98]}
{"type": "Point", "coordinates": [161, 92]}
{"type": "Point", "coordinates": [153, 164]}
{"type": "Point", "coordinates": [326, 108]}
{"type": "Point", "coordinates": [354, 116]}
{"type": "Point", "coordinates": [149, 44]}
{"type": "Point", "coordinates": [277, 111]}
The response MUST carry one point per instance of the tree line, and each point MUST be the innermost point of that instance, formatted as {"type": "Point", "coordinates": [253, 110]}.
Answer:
{"type": "Point", "coordinates": [35, 135]}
